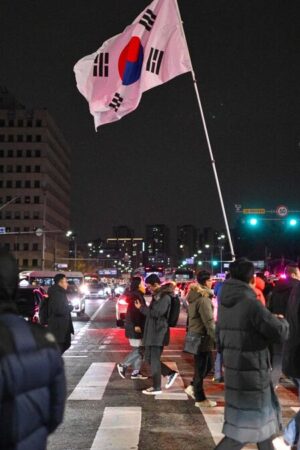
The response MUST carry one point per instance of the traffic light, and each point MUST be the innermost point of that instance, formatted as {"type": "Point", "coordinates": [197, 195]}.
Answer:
{"type": "Point", "coordinates": [292, 222]}
{"type": "Point", "coordinates": [253, 221]}
{"type": "Point", "coordinates": [214, 263]}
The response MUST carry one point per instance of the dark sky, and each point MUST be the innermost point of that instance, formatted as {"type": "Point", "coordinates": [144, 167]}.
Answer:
{"type": "Point", "coordinates": [152, 166]}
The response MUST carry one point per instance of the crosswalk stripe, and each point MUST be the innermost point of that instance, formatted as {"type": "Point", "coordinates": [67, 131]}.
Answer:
{"type": "Point", "coordinates": [93, 383]}
{"type": "Point", "coordinates": [119, 429]}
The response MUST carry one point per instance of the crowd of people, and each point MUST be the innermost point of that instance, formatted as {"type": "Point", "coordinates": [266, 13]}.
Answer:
{"type": "Point", "coordinates": [255, 336]}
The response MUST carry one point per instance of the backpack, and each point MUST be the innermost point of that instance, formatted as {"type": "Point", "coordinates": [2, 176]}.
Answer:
{"type": "Point", "coordinates": [174, 311]}
{"type": "Point", "coordinates": [43, 311]}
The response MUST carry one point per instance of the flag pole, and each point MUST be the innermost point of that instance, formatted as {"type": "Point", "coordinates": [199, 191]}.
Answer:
{"type": "Point", "coordinates": [212, 160]}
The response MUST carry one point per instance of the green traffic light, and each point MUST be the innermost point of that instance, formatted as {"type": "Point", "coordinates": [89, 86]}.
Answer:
{"type": "Point", "coordinates": [293, 222]}
{"type": "Point", "coordinates": [253, 221]}
{"type": "Point", "coordinates": [214, 263]}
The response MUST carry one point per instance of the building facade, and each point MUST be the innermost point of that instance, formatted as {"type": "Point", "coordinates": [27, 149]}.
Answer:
{"type": "Point", "coordinates": [157, 244]}
{"type": "Point", "coordinates": [35, 185]}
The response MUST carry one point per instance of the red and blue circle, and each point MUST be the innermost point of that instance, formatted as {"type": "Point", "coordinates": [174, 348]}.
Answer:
{"type": "Point", "coordinates": [131, 61]}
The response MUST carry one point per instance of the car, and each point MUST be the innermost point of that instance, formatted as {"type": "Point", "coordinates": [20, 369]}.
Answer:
{"type": "Point", "coordinates": [121, 309]}
{"type": "Point", "coordinates": [28, 301]}
{"type": "Point", "coordinates": [76, 299]}
{"type": "Point", "coordinates": [97, 290]}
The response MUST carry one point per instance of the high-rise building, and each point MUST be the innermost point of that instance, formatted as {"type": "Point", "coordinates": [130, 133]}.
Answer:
{"type": "Point", "coordinates": [157, 244]}
{"type": "Point", "coordinates": [34, 185]}
{"type": "Point", "coordinates": [186, 242]}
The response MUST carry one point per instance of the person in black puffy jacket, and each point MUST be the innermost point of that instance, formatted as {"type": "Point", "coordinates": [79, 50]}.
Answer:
{"type": "Point", "coordinates": [134, 327]}
{"type": "Point", "coordinates": [246, 329]}
{"type": "Point", "coordinates": [32, 379]}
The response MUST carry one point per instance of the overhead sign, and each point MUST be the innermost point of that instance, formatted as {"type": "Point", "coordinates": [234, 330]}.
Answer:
{"type": "Point", "coordinates": [2, 230]}
{"type": "Point", "coordinates": [282, 211]}
{"type": "Point", "coordinates": [254, 211]}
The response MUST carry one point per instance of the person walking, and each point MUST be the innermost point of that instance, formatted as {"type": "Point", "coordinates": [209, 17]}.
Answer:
{"type": "Point", "coordinates": [291, 351]}
{"type": "Point", "coordinates": [201, 322]}
{"type": "Point", "coordinates": [157, 332]}
{"type": "Point", "coordinates": [59, 312]}
{"type": "Point", "coordinates": [277, 304]}
{"type": "Point", "coordinates": [134, 327]}
{"type": "Point", "coordinates": [246, 327]}
{"type": "Point", "coordinates": [32, 379]}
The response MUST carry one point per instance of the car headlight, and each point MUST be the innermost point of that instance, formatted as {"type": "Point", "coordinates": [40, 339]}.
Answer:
{"type": "Point", "coordinates": [84, 289]}
{"type": "Point", "coordinates": [119, 290]}
{"type": "Point", "coordinates": [75, 301]}
{"type": "Point", "coordinates": [100, 292]}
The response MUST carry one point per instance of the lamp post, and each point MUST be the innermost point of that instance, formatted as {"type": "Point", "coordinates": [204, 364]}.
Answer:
{"type": "Point", "coordinates": [44, 226]}
{"type": "Point", "coordinates": [221, 248]}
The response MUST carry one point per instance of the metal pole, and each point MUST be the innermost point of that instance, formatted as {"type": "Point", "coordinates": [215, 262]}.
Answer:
{"type": "Point", "coordinates": [207, 136]}
{"type": "Point", "coordinates": [44, 234]}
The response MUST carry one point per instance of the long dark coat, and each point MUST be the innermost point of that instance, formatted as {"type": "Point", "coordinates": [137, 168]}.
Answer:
{"type": "Point", "coordinates": [252, 412]}
{"type": "Point", "coordinates": [134, 317]}
{"type": "Point", "coordinates": [291, 348]}
{"type": "Point", "coordinates": [157, 332]}
{"type": "Point", "coordinates": [59, 316]}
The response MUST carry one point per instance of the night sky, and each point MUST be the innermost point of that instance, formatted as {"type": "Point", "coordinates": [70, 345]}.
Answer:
{"type": "Point", "coordinates": [153, 166]}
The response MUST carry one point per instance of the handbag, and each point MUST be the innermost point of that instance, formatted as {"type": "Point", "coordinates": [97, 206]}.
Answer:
{"type": "Point", "coordinates": [192, 342]}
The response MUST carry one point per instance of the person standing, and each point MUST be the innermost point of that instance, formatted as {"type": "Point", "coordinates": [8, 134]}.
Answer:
{"type": "Point", "coordinates": [291, 348]}
{"type": "Point", "coordinates": [277, 304]}
{"type": "Point", "coordinates": [134, 327]}
{"type": "Point", "coordinates": [59, 312]}
{"type": "Point", "coordinates": [32, 379]}
{"type": "Point", "coordinates": [201, 322]}
{"type": "Point", "coordinates": [252, 411]}
{"type": "Point", "coordinates": [157, 332]}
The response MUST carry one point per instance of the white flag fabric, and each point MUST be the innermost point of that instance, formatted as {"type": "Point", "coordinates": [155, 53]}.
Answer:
{"type": "Point", "coordinates": [149, 52]}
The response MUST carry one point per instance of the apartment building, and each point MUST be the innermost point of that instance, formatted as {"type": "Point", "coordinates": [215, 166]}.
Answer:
{"type": "Point", "coordinates": [35, 185]}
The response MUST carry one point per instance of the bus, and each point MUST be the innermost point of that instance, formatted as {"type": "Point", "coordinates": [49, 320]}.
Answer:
{"type": "Point", "coordinates": [183, 275]}
{"type": "Point", "coordinates": [145, 271]}
{"type": "Point", "coordinates": [45, 278]}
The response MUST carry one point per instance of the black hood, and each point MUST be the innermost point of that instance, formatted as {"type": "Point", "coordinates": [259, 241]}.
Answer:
{"type": "Point", "coordinates": [233, 291]}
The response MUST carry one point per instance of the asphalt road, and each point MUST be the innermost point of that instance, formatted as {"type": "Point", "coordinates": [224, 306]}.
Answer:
{"type": "Point", "coordinates": [105, 412]}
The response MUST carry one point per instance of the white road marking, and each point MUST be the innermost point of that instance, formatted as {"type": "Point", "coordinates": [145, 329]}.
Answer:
{"type": "Point", "coordinates": [119, 429]}
{"type": "Point", "coordinates": [214, 418]}
{"type": "Point", "coordinates": [74, 356]}
{"type": "Point", "coordinates": [96, 312]}
{"type": "Point", "coordinates": [93, 383]}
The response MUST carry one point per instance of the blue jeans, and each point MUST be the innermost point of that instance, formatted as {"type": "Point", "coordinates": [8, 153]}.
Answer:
{"type": "Point", "coordinates": [218, 365]}
{"type": "Point", "coordinates": [134, 359]}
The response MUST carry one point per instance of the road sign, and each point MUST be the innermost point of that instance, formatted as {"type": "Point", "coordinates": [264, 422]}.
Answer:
{"type": "Point", "coordinates": [39, 232]}
{"type": "Point", "coordinates": [2, 230]}
{"type": "Point", "coordinates": [282, 211]}
{"type": "Point", "coordinates": [254, 211]}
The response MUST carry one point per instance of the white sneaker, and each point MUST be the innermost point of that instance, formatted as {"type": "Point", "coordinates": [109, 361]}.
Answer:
{"type": "Point", "coordinates": [190, 391]}
{"type": "Point", "coordinates": [151, 391]}
{"type": "Point", "coordinates": [206, 404]}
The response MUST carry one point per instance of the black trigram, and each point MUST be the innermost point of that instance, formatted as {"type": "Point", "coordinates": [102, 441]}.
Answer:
{"type": "Point", "coordinates": [100, 68]}
{"type": "Point", "coordinates": [116, 101]}
{"type": "Point", "coordinates": [154, 60]}
{"type": "Point", "coordinates": [148, 19]}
